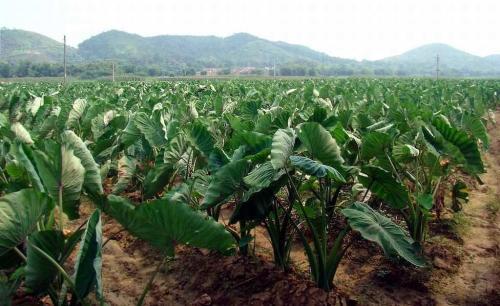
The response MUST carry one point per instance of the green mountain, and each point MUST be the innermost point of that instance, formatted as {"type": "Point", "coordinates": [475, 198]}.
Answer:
{"type": "Point", "coordinates": [24, 53]}
{"type": "Point", "coordinates": [493, 59]}
{"type": "Point", "coordinates": [238, 50]}
{"type": "Point", "coordinates": [19, 45]}
{"type": "Point", "coordinates": [452, 62]}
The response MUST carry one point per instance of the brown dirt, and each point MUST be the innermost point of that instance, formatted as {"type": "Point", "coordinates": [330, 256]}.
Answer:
{"type": "Point", "coordinates": [477, 281]}
{"type": "Point", "coordinates": [198, 277]}
{"type": "Point", "coordinates": [466, 267]}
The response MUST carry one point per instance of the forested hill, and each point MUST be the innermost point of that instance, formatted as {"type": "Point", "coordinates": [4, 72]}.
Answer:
{"type": "Point", "coordinates": [24, 53]}
{"type": "Point", "coordinates": [19, 45]}
{"type": "Point", "coordinates": [452, 61]}
{"type": "Point", "coordinates": [238, 50]}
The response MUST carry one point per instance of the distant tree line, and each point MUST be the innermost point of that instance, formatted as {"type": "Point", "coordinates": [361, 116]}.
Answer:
{"type": "Point", "coordinates": [94, 70]}
{"type": "Point", "coordinates": [102, 69]}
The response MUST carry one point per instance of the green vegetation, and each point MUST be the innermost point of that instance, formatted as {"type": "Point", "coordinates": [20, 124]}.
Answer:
{"type": "Point", "coordinates": [493, 206]}
{"type": "Point", "coordinates": [327, 162]}
{"type": "Point", "coordinates": [27, 54]}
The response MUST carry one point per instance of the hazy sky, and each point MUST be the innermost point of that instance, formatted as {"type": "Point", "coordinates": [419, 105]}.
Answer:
{"type": "Point", "coordinates": [360, 29]}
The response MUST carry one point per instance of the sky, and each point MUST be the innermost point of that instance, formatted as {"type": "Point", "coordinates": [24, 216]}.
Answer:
{"type": "Point", "coordinates": [359, 29]}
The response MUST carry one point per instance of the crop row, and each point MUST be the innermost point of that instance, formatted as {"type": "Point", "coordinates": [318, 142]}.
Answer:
{"type": "Point", "coordinates": [326, 162]}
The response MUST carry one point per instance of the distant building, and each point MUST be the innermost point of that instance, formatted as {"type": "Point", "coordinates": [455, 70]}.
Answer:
{"type": "Point", "coordinates": [210, 71]}
{"type": "Point", "coordinates": [249, 70]}
{"type": "Point", "coordinates": [243, 70]}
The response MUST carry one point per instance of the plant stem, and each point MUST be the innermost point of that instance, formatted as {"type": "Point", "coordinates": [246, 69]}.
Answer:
{"type": "Point", "coordinates": [4, 178]}
{"type": "Point", "coordinates": [111, 237]}
{"type": "Point", "coordinates": [366, 192]}
{"type": "Point", "coordinates": [60, 196]}
{"type": "Point", "coordinates": [60, 269]}
{"type": "Point", "coordinates": [20, 254]}
{"type": "Point", "coordinates": [320, 262]}
{"type": "Point", "coordinates": [393, 167]}
{"type": "Point", "coordinates": [150, 282]}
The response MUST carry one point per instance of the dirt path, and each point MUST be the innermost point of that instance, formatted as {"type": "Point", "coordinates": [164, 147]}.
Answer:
{"type": "Point", "coordinates": [477, 281]}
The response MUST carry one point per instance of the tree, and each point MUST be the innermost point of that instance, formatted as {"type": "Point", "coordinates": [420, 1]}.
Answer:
{"type": "Point", "coordinates": [23, 69]}
{"type": "Point", "coordinates": [5, 71]}
{"type": "Point", "coordinates": [285, 71]}
{"type": "Point", "coordinates": [225, 71]}
{"type": "Point", "coordinates": [153, 71]}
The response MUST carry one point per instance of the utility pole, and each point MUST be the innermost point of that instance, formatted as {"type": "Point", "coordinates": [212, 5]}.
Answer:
{"type": "Point", "coordinates": [274, 68]}
{"type": "Point", "coordinates": [113, 67]}
{"type": "Point", "coordinates": [437, 67]}
{"type": "Point", "coordinates": [322, 64]}
{"type": "Point", "coordinates": [64, 63]}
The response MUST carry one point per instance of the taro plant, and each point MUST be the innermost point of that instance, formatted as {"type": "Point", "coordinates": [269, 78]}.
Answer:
{"type": "Point", "coordinates": [50, 176]}
{"type": "Point", "coordinates": [286, 155]}
{"type": "Point", "coordinates": [408, 170]}
{"type": "Point", "coordinates": [319, 178]}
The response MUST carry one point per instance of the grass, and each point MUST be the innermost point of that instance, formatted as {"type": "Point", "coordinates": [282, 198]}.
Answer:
{"type": "Point", "coordinates": [460, 223]}
{"type": "Point", "coordinates": [493, 206]}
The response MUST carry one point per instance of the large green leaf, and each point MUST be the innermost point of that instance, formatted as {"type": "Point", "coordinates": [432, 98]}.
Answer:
{"type": "Point", "coordinates": [255, 205]}
{"type": "Point", "coordinates": [320, 144]}
{"type": "Point", "coordinates": [19, 213]}
{"type": "Point", "coordinates": [156, 179]}
{"type": "Point", "coordinates": [254, 142]}
{"type": "Point", "coordinates": [89, 259]}
{"type": "Point", "coordinates": [126, 171]}
{"type": "Point", "coordinates": [405, 153]}
{"type": "Point", "coordinates": [282, 147]}
{"type": "Point", "coordinates": [164, 224]}
{"type": "Point", "coordinates": [40, 272]}
{"type": "Point", "coordinates": [61, 173]}
{"type": "Point", "coordinates": [377, 228]}
{"type": "Point", "coordinates": [317, 169]}
{"type": "Point", "coordinates": [340, 134]}
{"type": "Point", "coordinates": [175, 150]}
{"type": "Point", "coordinates": [217, 159]}
{"type": "Point", "coordinates": [130, 133]}
{"type": "Point", "coordinates": [381, 183]}
{"type": "Point", "coordinates": [465, 144]}
{"type": "Point", "coordinates": [76, 113]}
{"type": "Point", "coordinates": [375, 144]}
{"type": "Point", "coordinates": [476, 126]}
{"type": "Point", "coordinates": [92, 181]}
{"type": "Point", "coordinates": [459, 196]}
{"type": "Point", "coordinates": [136, 222]}
{"type": "Point", "coordinates": [23, 154]}
{"type": "Point", "coordinates": [151, 130]}
{"type": "Point", "coordinates": [21, 133]}
{"type": "Point", "coordinates": [201, 138]}
{"type": "Point", "coordinates": [225, 182]}
{"type": "Point", "coordinates": [262, 176]}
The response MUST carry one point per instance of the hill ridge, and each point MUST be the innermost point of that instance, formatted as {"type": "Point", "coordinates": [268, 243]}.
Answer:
{"type": "Point", "coordinates": [176, 53]}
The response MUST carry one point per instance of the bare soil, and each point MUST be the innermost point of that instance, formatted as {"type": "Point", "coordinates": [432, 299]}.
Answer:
{"type": "Point", "coordinates": [477, 281]}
